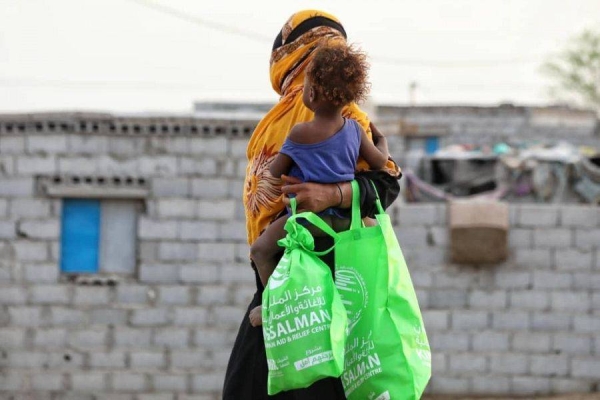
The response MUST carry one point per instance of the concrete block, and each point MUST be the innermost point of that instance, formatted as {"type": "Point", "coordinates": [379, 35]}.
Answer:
{"type": "Point", "coordinates": [226, 315]}
{"type": "Point", "coordinates": [586, 323]}
{"type": "Point", "coordinates": [237, 148]}
{"type": "Point", "coordinates": [174, 295]}
{"type": "Point", "coordinates": [210, 188]}
{"type": "Point", "coordinates": [550, 322]}
{"type": "Point", "coordinates": [200, 230]}
{"type": "Point", "coordinates": [223, 210]}
{"type": "Point", "coordinates": [436, 320]}
{"type": "Point", "coordinates": [36, 165]}
{"type": "Point", "coordinates": [412, 236]}
{"type": "Point", "coordinates": [242, 253]}
{"type": "Point", "coordinates": [216, 146]}
{"type": "Point", "coordinates": [109, 360]}
{"type": "Point", "coordinates": [25, 359]}
{"type": "Point", "coordinates": [12, 338]}
{"type": "Point", "coordinates": [490, 385]}
{"type": "Point", "coordinates": [26, 316]}
{"type": "Point", "coordinates": [552, 280]}
{"type": "Point", "coordinates": [30, 208]}
{"type": "Point", "coordinates": [147, 359]}
{"type": "Point", "coordinates": [212, 294]}
{"type": "Point", "coordinates": [573, 260]}
{"type": "Point", "coordinates": [588, 368]}
{"type": "Point", "coordinates": [170, 383]}
{"type": "Point", "coordinates": [47, 381]}
{"type": "Point", "coordinates": [242, 295]}
{"type": "Point", "coordinates": [157, 229]}
{"type": "Point", "coordinates": [490, 341]}
{"type": "Point", "coordinates": [448, 341]}
{"type": "Point", "coordinates": [233, 231]}
{"type": "Point", "coordinates": [587, 239]}
{"type": "Point", "coordinates": [511, 320]}
{"type": "Point", "coordinates": [191, 166]}
{"type": "Point", "coordinates": [509, 363]}
{"type": "Point", "coordinates": [553, 238]}
{"type": "Point", "coordinates": [158, 165]}
{"type": "Point", "coordinates": [586, 280]}
{"type": "Point", "coordinates": [158, 396]}
{"type": "Point", "coordinates": [565, 385]}
{"type": "Point", "coordinates": [489, 300]}
{"type": "Point", "coordinates": [512, 279]}
{"type": "Point", "coordinates": [8, 230]}
{"type": "Point", "coordinates": [47, 144]}
{"type": "Point", "coordinates": [8, 165]}
{"type": "Point", "coordinates": [77, 165]}
{"type": "Point", "coordinates": [449, 385]}
{"type": "Point", "coordinates": [214, 337]}
{"type": "Point", "coordinates": [189, 359]}
{"type": "Point", "coordinates": [127, 145]}
{"type": "Point", "coordinates": [549, 365]}
{"type": "Point", "coordinates": [467, 363]}
{"type": "Point", "coordinates": [88, 382]}
{"type": "Point", "coordinates": [110, 165]}
{"type": "Point", "coordinates": [535, 216]}
{"type": "Point", "coordinates": [207, 382]}
{"type": "Point", "coordinates": [170, 187]}
{"type": "Point", "coordinates": [531, 342]}
{"type": "Point", "coordinates": [533, 258]}
{"type": "Point", "coordinates": [149, 317]}
{"type": "Point", "coordinates": [176, 251]}
{"type": "Point", "coordinates": [87, 144]}
{"type": "Point", "coordinates": [96, 338]}
{"type": "Point", "coordinates": [190, 316]}
{"type": "Point", "coordinates": [570, 343]}
{"type": "Point", "coordinates": [132, 294]}
{"type": "Point", "coordinates": [169, 145]}
{"type": "Point", "coordinates": [520, 238]}
{"type": "Point", "coordinates": [530, 300]}
{"type": "Point", "coordinates": [4, 208]}
{"type": "Point", "coordinates": [92, 296]}
{"type": "Point", "coordinates": [216, 252]}
{"type": "Point", "coordinates": [238, 273]}
{"type": "Point", "coordinates": [40, 229]}
{"type": "Point", "coordinates": [131, 338]}
{"type": "Point", "coordinates": [571, 301]}
{"type": "Point", "coordinates": [199, 273]}
{"type": "Point", "coordinates": [26, 250]}
{"type": "Point", "coordinates": [14, 144]}
{"type": "Point", "coordinates": [148, 251]}
{"type": "Point", "coordinates": [48, 294]}
{"type": "Point", "coordinates": [66, 316]}
{"type": "Point", "coordinates": [108, 316]}
{"type": "Point", "coordinates": [13, 295]}
{"type": "Point", "coordinates": [174, 338]}
{"type": "Point", "coordinates": [14, 382]}
{"type": "Point", "coordinates": [159, 273]}
{"type": "Point", "coordinates": [580, 216]}
{"type": "Point", "coordinates": [447, 298]}
{"type": "Point", "coordinates": [129, 382]}
{"type": "Point", "coordinates": [16, 187]}
{"type": "Point", "coordinates": [530, 385]}
{"type": "Point", "coordinates": [177, 208]}
{"type": "Point", "coordinates": [422, 214]}
{"type": "Point", "coordinates": [469, 320]}
{"type": "Point", "coordinates": [452, 279]}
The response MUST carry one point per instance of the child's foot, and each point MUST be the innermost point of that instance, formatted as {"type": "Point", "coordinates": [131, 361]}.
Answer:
{"type": "Point", "coordinates": [256, 316]}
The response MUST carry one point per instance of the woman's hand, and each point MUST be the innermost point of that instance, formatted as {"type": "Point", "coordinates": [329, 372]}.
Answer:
{"type": "Point", "coordinates": [316, 197]}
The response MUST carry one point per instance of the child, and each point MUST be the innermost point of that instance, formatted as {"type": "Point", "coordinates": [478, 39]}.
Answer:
{"type": "Point", "coordinates": [326, 149]}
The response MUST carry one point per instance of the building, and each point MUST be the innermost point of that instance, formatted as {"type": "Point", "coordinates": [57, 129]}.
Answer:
{"type": "Point", "coordinates": [153, 304]}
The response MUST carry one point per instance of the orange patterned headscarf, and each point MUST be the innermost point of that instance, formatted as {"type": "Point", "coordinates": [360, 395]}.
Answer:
{"type": "Point", "coordinates": [262, 193]}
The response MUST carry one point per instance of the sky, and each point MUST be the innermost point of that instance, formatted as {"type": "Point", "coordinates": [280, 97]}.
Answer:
{"type": "Point", "coordinates": [162, 55]}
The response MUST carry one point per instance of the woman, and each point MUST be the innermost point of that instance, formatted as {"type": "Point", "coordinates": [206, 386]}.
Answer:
{"type": "Point", "coordinates": [246, 376]}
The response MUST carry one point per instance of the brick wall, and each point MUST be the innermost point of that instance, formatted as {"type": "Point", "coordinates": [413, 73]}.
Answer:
{"type": "Point", "coordinates": [528, 326]}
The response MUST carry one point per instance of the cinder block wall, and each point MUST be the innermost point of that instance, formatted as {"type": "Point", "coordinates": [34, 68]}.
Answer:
{"type": "Point", "coordinates": [530, 325]}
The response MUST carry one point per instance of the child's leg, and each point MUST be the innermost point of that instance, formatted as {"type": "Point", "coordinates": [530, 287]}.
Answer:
{"type": "Point", "coordinates": [265, 249]}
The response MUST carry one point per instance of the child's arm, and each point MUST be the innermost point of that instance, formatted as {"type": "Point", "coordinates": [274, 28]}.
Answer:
{"type": "Point", "coordinates": [282, 163]}
{"type": "Point", "coordinates": [375, 155]}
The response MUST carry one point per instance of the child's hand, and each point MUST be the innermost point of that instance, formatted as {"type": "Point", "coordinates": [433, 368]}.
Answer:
{"type": "Point", "coordinates": [255, 316]}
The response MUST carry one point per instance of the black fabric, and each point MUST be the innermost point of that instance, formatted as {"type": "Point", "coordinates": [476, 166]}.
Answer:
{"type": "Point", "coordinates": [304, 27]}
{"type": "Point", "coordinates": [246, 375]}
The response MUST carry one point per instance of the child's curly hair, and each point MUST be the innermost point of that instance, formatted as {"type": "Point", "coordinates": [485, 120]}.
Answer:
{"type": "Point", "coordinates": [339, 73]}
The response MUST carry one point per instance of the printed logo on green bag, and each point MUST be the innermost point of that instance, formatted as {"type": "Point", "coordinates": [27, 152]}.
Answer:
{"type": "Point", "coordinates": [361, 363]}
{"type": "Point", "coordinates": [355, 296]}
{"type": "Point", "coordinates": [278, 278]}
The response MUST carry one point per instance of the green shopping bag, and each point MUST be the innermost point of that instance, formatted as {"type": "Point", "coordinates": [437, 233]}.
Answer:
{"type": "Point", "coordinates": [304, 321]}
{"type": "Point", "coordinates": [387, 351]}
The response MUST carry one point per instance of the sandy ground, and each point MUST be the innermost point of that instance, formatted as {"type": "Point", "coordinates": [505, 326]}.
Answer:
{"type": "Point", "coordinates": [595, 396]}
